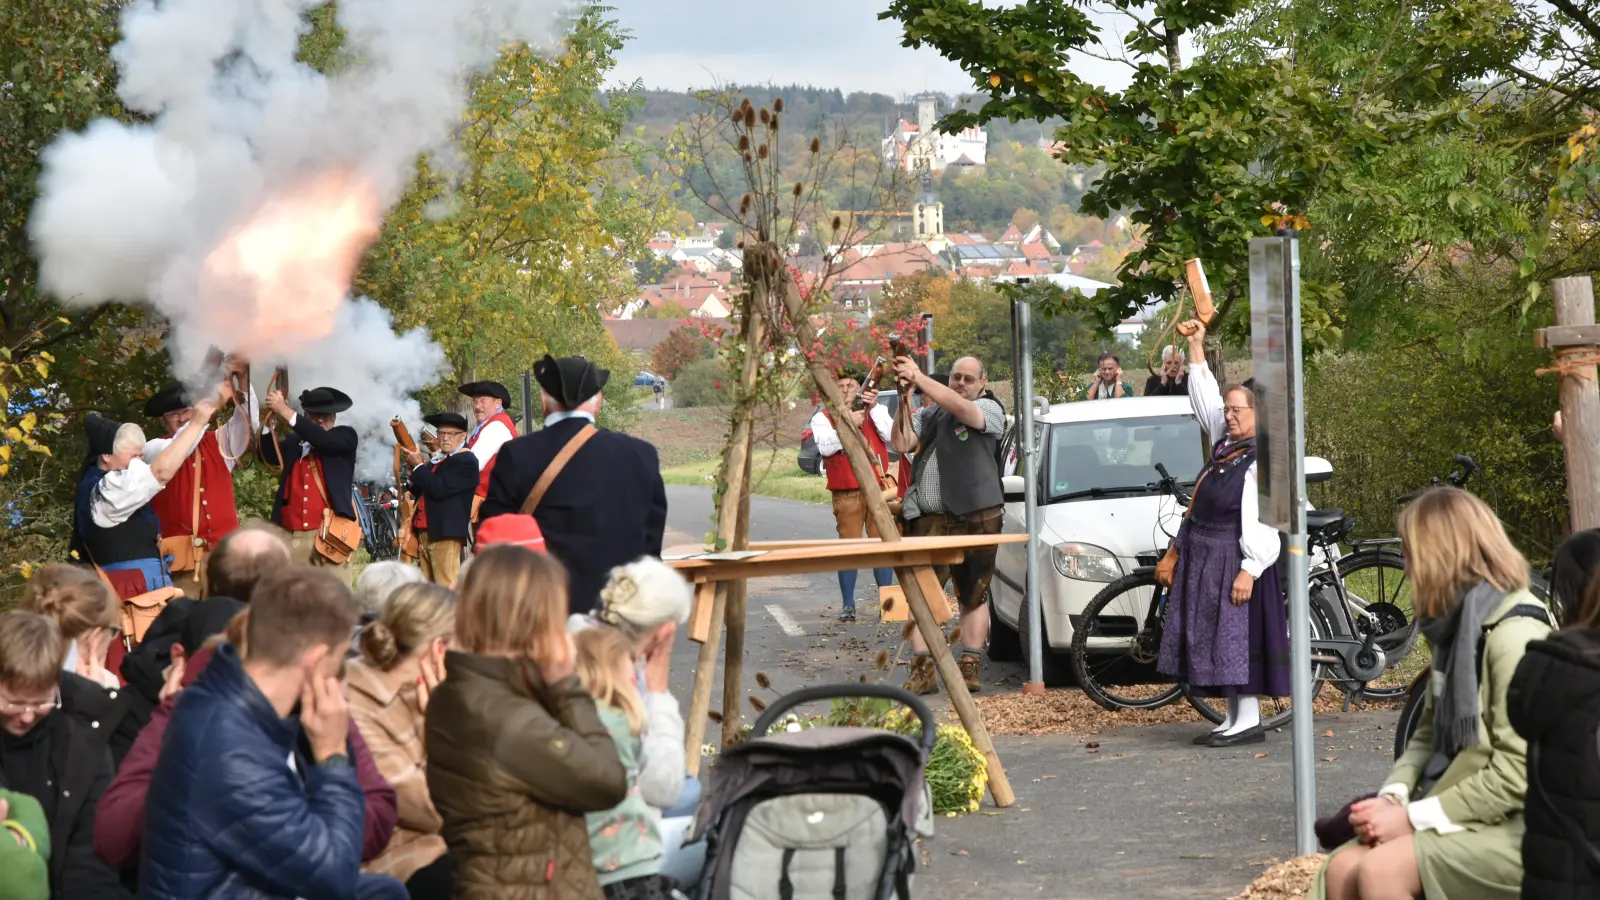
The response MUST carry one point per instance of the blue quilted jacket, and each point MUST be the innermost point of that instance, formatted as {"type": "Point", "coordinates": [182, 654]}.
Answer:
{"type": "Point", "coordinates": [227, 816]}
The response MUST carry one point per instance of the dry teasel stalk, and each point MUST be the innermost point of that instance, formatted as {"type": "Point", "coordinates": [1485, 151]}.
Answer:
{"type": "Point", "coordinates": [837, 223]}
{"type": "Point", "coordinates": [744, 204]}
{"type": "Point", "coordinates": [761, 151]}
{"type": "Point", "coordinates": [799, 188]}
{"type": "Point", "coordinates": [816, 145]}
{"type": "Point", "coordinates": [749, 117]}
{"type": "Point", "coordinates": [765, 116]}
{"type": "Point", "coordinates": [764, 681]}
{"type": "Point", "coordinates": [882, 660]}
{"type": "Point", "coordinates": [910, 626]}
{"type": "Point", "coordinates": [757, 703]}
{"type": "Point", "coordinates": [774, 123]}
{"type": "Point", "coordinates": [955, 636]}
{"type": "Point", "coordinates": [744, 142]}
{"type": "Point", "coordinates": [747, 158]}
{"type": "Point", "coordinates": [714, 716]}
{"type": "Point", "coordinates": [777, 104]}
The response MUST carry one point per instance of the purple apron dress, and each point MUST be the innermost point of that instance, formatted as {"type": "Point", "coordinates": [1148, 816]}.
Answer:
{"type": "Point", "coordinates": [1220, 649]}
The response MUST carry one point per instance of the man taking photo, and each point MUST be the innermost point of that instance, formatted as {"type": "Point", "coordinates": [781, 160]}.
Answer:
{"type": "Point", "coordinates": [956, 491]}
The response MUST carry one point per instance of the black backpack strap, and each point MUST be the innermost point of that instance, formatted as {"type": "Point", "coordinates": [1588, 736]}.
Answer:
{"type": "Point", "coordinates": [1520, 611]}
{"type": "Point", "coordinates": [840, 891]}
{"type": "Point", "coordinates": [785, 885]}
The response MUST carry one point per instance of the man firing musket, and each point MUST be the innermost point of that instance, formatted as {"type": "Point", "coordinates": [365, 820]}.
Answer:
{"type": "Point", "coordinates": [197, 507]}
{"type": "Point", "coordinates": [443, 487]}
{"type": "Point", "coordinates": [315, 503]}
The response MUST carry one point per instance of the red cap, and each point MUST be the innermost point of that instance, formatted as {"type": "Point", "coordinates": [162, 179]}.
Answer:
{"type": "Point", "coordinates": [511, 528]}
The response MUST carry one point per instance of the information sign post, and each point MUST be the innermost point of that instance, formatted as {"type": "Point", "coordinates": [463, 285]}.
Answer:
{"type": "Point", "coordinates": [1281, 481]}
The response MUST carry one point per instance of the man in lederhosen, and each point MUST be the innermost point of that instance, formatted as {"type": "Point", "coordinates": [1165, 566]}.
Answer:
{"type": "Point", "coordinates": [849, 504]}
{"type": "Point", "coordinates": [443, 487]}
{"type": "Point", "coordinates": [607, 507]}
{"type": "Point", "coordinates": [494, 429]}
{"type": "Point", "coordinates": [319, 464]}
{"type": "Point", "coordinates": [203, 488]}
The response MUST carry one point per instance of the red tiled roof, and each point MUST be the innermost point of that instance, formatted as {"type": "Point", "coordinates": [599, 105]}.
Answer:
{"type": "Point", "coordinates": [1013, 235]}
{"type": "Point", "coordinates": [889, 262]}
{"type": "Point", "coordinates": [1035, 251]}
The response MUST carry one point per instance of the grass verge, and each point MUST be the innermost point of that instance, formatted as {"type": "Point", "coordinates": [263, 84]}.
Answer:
{"type": "Point", "coordinates": [774, 473]}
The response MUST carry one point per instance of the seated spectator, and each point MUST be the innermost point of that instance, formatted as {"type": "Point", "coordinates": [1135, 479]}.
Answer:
{"type": "Point", "coordinates": [254, 793]}
{"type": "Point", "coordinates": [1448, 821]}
{"type": "Point", "coordinates": [1571, 571]}
{"type": "Point", "coordinates": [516, 750]}
{"type": "Point", "coordinates": [51, 755]}
{"type": "Point", "coordinates": [24, 848]}
{"type": "Point", "coordinates": [402, 662]}
{"type": "Point", "coordinates": [1173, 381]}
{"type": "Point", "coordinates": [119, 822]}
{"type": "Point", "coordinates": [625, 840]}
{"type": "Point", "coordinates": [378, 581]}
{"type": "Point", "coordinates": [1554, 703]}
{"type": "Point", "coordinates": [87, 612]}
{"type": "Point", "coordinates": [1107, 381]}
{"type": "Point", "coordinates": [646, 601]}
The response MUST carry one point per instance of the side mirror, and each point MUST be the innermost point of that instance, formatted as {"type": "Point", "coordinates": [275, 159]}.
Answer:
{"type": "Point", "coordinates": [1013, 488]}
{"type": "Point", "coordinates": [1318, 470]}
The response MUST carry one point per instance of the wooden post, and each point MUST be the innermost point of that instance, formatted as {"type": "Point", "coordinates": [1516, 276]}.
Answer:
{"type": "Point", "coordinates": [733, 654]}
{"type": "Point", "coordinates": [767, 259]}
{"type": "Point", "coordinates": [733, 533]}
{"type": "Point", "coordinates": [1574, 341]}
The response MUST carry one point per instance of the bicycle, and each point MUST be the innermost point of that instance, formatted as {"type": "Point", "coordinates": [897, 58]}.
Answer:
{"type": "Point", "coordinates": [1119, 632]}
{"type": "Point", "coordinates": [377, 510]}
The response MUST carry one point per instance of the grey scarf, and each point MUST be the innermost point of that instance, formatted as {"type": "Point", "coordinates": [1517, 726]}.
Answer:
{"type": "Point", "coordinates": [1453, 639]}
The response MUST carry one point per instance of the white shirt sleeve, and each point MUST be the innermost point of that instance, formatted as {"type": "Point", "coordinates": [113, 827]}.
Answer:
{"type": "Point", "coordinates": [122, 493]}
{"type": "Point", "coordinates": [1205, 398]}
{"type": "Point", "coordinates": [885, 423]}
{"type": "Point", "coordinates": [493, 436]}
{"type": "Point", "coordinates": [661, 777]}
{"type": "Point", "coordinates": [826, 436]}
{"type": "Point", "coordinates": [153, 448]}
{"type": "Point", "coordinates": [1258, 542]}
{"type": "Point", "coordinates": [234, 438]}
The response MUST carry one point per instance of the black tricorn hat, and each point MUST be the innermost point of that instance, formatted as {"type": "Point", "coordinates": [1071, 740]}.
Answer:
{"type": "Point", "coordinates": [171, 398]}
{"type": "Point", "coordinates": [324, 401]}
{"type": "Point", "coordinates": [487, 389]}
{"type": "Point", "coordinates": [102, 434]}
{"type": "Point", "coordinates": [447, 420]}
{"type": "Point", "coordinates": [571, 380]}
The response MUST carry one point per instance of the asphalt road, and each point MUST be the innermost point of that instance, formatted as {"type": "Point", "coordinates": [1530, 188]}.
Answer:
{"type": "Point", "coordinates": [1147, 814]}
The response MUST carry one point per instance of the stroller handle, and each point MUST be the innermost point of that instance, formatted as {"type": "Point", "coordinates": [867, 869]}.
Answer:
{"type": "Point", "coordinates": [930, 728]}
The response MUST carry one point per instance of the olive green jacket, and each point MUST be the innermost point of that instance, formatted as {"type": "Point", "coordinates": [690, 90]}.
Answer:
{"type": "Point", "coordinates": [1485, 783]}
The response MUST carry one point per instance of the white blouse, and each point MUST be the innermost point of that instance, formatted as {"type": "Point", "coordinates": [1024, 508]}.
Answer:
{"type": "Point", "coordinates": [1259, 543]}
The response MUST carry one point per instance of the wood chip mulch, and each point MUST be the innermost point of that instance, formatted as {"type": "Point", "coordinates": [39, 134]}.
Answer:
{"type": "Point", "coordinates": [1072, 712]}
{"type": "Point", "coordinates": [1286, 880]}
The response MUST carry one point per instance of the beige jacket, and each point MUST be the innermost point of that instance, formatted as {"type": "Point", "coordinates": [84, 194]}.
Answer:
{"type": "Point", "coordinates": [384, 705]}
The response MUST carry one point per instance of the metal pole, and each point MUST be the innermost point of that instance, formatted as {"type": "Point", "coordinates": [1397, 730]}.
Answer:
{"type": "Point", "coordinates": [527, 402]}
{"type": "Point", "coordinates": [927, 335]}
{"type": "Point", "coordinates": [1302, 728]}
{"type": "Point", "coordinates": [1022, 314]}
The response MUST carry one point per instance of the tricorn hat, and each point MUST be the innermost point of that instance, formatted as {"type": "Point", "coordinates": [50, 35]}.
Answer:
{"type": "Point", "coordinates": [571, 380]}
{"type": "Point", "coordinates": [324, 401]}
{"type": "Point", "coordinates": [447, 420]}
{"type": "Point", "coordinates": [102, 433]}
{"type": "Point", "coordinates": [487, 389]}
{"type": "Point", "coordinates": [171, 399]}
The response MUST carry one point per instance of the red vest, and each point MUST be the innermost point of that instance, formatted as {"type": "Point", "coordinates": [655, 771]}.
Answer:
{"type": "Point", "coordinates": [488, 468]}
{"type": "Point", "coordinates": [304, 504]}
{"type": "Point", "coordinates": [419, 522]}
{"type": "Point", "coordinates": [840, 477]}
{"type": "Point", "coordinates": [174, 506]}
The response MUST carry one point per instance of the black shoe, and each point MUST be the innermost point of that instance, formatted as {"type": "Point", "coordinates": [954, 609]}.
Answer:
{"type": "Point", "coordinates": [848, 616]}
{"type": "Point", "coordinates": [1204, 737]}
{"type": "Point", "coordinates": [1255, 734]}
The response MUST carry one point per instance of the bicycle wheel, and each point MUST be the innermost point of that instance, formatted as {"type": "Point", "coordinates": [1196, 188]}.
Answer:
{"type": "Point", "coordinates": [1382, 599]}
{"type": "Point", "coordinates": [1275, 711]}
{"type": "Point", "coordinates": [1411, 714]}
{"type": "Point", "coordinates": [1113, 654]}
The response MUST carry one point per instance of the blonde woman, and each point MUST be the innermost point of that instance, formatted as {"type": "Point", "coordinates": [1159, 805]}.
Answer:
{"type": "Point", "coordinates": [1448, 820]}
{"type": "Point", "coordinates": [401, 662]}
{"type": "Point", "coordinates": [516, 750]}
{"type": "Point", "coordinates": [626, 839]}
{"type": "Point", "coordinates": [646, 600]}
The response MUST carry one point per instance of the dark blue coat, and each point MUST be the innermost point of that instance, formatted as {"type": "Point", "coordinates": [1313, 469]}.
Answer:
{"type": "Point", "coordinates": [606, 508]}
{"type": "Point", "coordinates": [335, 446]}
{"type": "Point", "coordinates": [448, 487]}
{"type": "Point", "coordinates": [227, 817]}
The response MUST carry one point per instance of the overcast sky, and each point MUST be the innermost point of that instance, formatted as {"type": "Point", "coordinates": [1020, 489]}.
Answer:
{"type": "Point", "coordinates": [680, 44]}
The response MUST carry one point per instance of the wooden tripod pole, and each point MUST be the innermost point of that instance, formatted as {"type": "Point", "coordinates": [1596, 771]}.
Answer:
{"type": "Point", "coordinates": [733, 533]}
{"type": "Point", "coordinates": [855, 448]}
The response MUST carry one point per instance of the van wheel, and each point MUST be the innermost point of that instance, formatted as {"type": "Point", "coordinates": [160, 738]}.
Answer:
{"type": "Point", "coordinates": [1005, 645]}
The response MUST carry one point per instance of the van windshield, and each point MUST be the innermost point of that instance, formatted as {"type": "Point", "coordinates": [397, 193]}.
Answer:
{"type": "Point", "coordinates": [1118, 458]}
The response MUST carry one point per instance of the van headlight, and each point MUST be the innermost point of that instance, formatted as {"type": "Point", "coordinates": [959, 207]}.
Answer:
{"type": "Point", "coordinates": [1085, 562]}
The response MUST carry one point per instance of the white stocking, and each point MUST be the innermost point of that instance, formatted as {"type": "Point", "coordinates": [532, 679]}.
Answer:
{"type": "Point", "coordinates": [1230, 718]}
{"type": "Point", "coordinates": [1248, 716]}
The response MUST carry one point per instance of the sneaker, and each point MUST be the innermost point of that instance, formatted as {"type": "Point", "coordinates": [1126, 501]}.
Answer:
{"type": "Point", "coordinates": [848, 616]}
{"type": "Point", "coordinates": [969, 672]}
{"type": "Point", "coordinates": [923, 680]}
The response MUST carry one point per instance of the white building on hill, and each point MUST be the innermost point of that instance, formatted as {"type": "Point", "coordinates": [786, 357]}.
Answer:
{"type": "Point", "coordinates": [919, 145]}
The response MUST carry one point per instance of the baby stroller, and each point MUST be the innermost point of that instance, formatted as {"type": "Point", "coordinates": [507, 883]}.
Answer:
{"type": "Point", "coordinates": [827, 813]}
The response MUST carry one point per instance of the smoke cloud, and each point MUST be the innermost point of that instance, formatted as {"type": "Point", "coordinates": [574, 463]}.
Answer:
{"type": "Point", "coordinates": [241, 211]}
